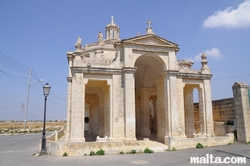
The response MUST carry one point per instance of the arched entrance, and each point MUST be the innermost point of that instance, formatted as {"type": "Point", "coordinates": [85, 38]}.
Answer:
{"type": "Point", "coordinates": [147, 87]}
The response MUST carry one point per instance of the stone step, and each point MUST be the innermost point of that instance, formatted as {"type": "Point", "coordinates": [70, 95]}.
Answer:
{"type": "Point", "coordinates": [157, 146]}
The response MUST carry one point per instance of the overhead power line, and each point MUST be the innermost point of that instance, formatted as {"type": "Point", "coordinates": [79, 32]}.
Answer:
{"type": "Point", "coordinates": [12, 64]}
{"type": "Point", "coordinates": [12, 75]}
{"type": "Point", "coordinates": [231, 77]}
{"type": "Point", "coordinates": [14, 79]}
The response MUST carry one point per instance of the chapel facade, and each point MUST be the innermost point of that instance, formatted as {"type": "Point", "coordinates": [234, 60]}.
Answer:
{"type": "Point", "coordinates": [122, 88]}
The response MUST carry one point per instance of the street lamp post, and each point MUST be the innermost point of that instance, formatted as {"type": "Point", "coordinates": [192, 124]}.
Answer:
{"type": "Point", "coordinates": [46, 89]}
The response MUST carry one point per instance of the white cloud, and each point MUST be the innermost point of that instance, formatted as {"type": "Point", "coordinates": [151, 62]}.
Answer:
{"type": "Point", "coordinates": [213, 53]}
{"type": "Point", "coordinates": [230, 18]}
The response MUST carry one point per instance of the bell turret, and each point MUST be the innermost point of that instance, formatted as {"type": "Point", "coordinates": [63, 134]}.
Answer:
{"type": "Point", "coordinates": [112, 30]}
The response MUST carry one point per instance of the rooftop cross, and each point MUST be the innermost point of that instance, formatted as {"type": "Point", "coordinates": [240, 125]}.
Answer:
{"type": "Point", "coordinates": [112, 19]}
{"type": "Point", "coordinates": [149, 23]}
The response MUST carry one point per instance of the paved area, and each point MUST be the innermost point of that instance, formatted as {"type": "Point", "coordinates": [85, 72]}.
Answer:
{"type": "Point", "coordinates": [17, 151]}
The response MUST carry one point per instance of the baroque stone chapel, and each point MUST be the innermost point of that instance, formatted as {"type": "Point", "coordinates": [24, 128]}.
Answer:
{"type": "Point", "coordinates": [122, 88]}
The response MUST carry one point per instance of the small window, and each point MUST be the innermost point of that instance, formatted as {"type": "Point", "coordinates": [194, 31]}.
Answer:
{"type": "Point", "coordinates": [86, 119]}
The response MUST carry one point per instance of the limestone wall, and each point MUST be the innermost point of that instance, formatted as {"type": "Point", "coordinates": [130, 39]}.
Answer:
{"type": "Point", "coordinates": [82, 148]}
{"type": "Point", "coordinates": [184, 143]}
{"type": "Point", "coordinates": [223, 110]}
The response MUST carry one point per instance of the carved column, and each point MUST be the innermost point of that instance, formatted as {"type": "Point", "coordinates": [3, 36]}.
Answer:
{"type": "Point", "coordinates": [129, 97]}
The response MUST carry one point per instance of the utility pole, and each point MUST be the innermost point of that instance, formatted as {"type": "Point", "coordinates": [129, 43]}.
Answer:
{"type": "Point", "coordinates": [27, 104]}
{"type": "Point", "coordinates": [22, 111]}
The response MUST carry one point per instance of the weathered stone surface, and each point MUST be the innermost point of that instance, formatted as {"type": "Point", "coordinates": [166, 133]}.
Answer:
{"type": "Point", "coordinates": [241, 92]}
{"type": "Point", "coordinates": [135, 86]}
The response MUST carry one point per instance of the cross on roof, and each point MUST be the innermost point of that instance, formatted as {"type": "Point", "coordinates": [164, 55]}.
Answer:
{"type": "Point", "coordinates": [149, 23]}
{"type": "Point", "coordinates": [112, 19]}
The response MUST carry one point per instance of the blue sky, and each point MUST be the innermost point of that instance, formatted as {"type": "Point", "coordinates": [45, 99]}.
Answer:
{"type": "Point", "coordinates": [38, 34]}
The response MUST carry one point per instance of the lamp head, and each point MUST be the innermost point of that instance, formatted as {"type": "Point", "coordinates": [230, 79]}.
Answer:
{"type": "Point", "coordinates": [46, 89]}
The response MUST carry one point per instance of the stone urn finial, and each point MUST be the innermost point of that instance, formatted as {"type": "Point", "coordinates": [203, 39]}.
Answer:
{"type": "Point", "coordinates": [78, 44]}
{"type": "Point", "coordinates": [204, 69]}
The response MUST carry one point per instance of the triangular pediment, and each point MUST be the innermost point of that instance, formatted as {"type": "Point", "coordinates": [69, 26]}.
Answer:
{"type": "Point", "coordinates": [150, 40]}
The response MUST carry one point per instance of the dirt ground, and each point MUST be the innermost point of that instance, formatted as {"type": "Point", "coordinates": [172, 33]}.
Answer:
{"type": "Point", "coordinates": [29, 125]}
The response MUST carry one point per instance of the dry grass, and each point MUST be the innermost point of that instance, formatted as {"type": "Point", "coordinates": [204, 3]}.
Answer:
{"type": "Point", "coordinates": [29, 125]}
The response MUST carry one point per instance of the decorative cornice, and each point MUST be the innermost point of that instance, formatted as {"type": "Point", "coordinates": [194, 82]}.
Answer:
{"type": "Point", "coordinates": [128, 70]}
{"type": "Point", "coordinates": [170, 72]}
{"type": "Point", "coordinates": [195, 76]}
{"type": "Point", "coordinates": [69, 79]}
{"type": "Point", "coordinates": [95, 70]}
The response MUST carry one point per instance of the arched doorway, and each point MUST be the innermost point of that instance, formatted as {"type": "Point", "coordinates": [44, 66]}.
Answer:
{"type": "Point", "coordinates": [147, 97]}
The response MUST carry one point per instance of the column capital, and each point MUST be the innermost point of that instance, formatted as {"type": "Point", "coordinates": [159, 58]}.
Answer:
{"type": "Point", "coordinates": [70, 56]}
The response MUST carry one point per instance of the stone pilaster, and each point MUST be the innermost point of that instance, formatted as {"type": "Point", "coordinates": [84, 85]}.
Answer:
{"type": "Point", "coordinates": [189, 112]}
{"type": "Point", "coordinates": [202, 113]}
{"type": "Point", "coordinates": [209, 108]}
{"type": "Point", "coordinates": [242, 110]}
{"type": "Point", "coordinates": [145, 125]}
{"type": "Point", "coordinates": [181, 110]}
{"type": "Point", "coordinates": [138, 113]}
{"type": "Point", "coordinates": [68, 128]}
{"type": "Point", "coordinates": [129, 97]}
{"type": "Point", "coordinates": [117, 115]}
{"type": "Point", "coordinates": [173, 115]}
{"type": "Point", "coordinates": [101, 114]}
{"type": "Point", "coordinates": [160, 110]}
{"type": "Point", "coordinates": [77, 108]}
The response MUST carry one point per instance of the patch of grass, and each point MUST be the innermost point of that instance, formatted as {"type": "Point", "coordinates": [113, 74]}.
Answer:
{"type": "Point", "coordinates": [65, 154]}
{"type": "Point", "coordinates": [173, 149]}
{"type": "Point", "coordinates": [121, 152]}
{"type": "Point", "coordinates": [132, 151]}
{"type": "Point", "coordinates": [92, 153]}
{"type": "Point", "coordinates": [85, 154]}
{"type": "Point", "coordinates": [229, 143]}
{"type": "Point", "coordinates": [100, 152]}
{"type": "Point", "coordinates": [147, 150]}
{"type": "Point", "coordinates": [199, 146]}
{"type": "Point", "coordinates": [248, 142]}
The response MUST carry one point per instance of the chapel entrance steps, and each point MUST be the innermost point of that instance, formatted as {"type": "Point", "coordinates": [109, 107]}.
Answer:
{"type": "Point", "coordinates": [154, 143]}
